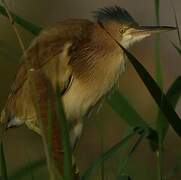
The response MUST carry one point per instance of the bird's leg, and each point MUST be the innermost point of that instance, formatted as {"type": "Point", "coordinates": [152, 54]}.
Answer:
{"type": "Point", "coordinates": [76, 171]}
{"type": "Point", "coordinates": [33, 127]}
{"type": "Point", "coordinates": [76, 127]}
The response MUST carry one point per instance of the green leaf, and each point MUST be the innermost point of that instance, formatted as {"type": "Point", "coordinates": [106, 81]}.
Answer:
{"type": "Point", "coordinates": [126, 111]}
{"type": "Point", "coordinates": [124, 161]}
{"type": "Point", "coordinates": [174, 91]}
{"type": "Point", "coordinates": [176, 22]}
{"type": "Point", "coordinates": [157, 11]}
{"type": "Point", "coordinates": [156, 93]}
{"type": "Point", "coordinates": [3, 163]}
{"type": "Point", "coordinates": [178, 31]}
{"type": "Point", "coordinates": [159, 80]}
{"type": "Point", "coordinates": [158, 71]}
{"type": "Point", "coordinates": [176, 47]}
{"type": "Point", "coordinates": [108, 154]}
{"type": "Point", "coordinates": [25, 24]}
{"type": "Point", "coordinates": [24, 171]}
{"type": "Point", "coordinates": [121, 106]}
{"type": "Point", "coordinates": [173, 95]}
{"type": "Point", "coordinates": [68, 170]}
{"type": "Point", "coordinates": [158, 68]}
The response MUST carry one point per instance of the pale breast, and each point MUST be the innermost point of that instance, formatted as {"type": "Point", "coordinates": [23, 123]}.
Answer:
{"type": "Point", "coordinates": [83, 95]}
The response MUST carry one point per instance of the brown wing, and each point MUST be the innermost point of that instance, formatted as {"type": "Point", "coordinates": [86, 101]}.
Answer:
{"type": "Point", "coordinates": [50, 52]}
{"type": "Point", "coordinates": [49, 44]}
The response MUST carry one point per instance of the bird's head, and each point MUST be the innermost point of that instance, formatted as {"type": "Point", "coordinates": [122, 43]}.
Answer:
{"type": "Point", "coordinates": [119, 23]}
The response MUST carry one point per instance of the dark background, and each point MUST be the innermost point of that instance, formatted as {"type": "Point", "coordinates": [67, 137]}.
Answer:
{"type": "Point", "coordinates": [23, 146]}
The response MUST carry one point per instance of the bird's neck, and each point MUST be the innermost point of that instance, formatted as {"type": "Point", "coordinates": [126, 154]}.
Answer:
{"type": "Point", "coordinates": [102, 38]}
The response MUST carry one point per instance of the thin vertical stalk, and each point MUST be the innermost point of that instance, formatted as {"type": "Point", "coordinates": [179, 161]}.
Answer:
{"type": "Point", "coordinates": [158, 70]}
{"type": "Point", "coordinates": [159, 80]}
{"type": "Point", "coordinates": [13, 26]}
{"type": "Point", "coordinates": [68, 169]}
{"type": "Point", "coordinates": [103, 164]}
{"type": "Point", "coordinates": [3, 168]}
{"type": "Point", "coordinates": [101, 134]}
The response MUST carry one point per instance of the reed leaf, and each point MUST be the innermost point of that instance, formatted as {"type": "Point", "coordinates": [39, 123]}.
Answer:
{"type": "Point", "coordinates": [158, 71]}
{"type": "Point", "coordinates": [35, 30]}
{"type": "Point", "coordinates": [125, 110]}
{"type": "Point", "coordinates": [157, 11]}
{"type": "Point", "coordinates": [108, 154]}
{"type": "Point", "coordinates": [68, 169]}
{"type": "Point", "coordinates": [176, 22]}
{"type": "Point", "coordinates": [123, 163]}
{"type": "Point", "coordinates": [176, 47]}
{"type": "Point", "coordinates": [156, 92]}
{"type": "Point", "coordinates": [178, 30]}
{"type": "Point", "coordinates": [173, 95]}
{"type": "Point", "coordinates": [160, 123]}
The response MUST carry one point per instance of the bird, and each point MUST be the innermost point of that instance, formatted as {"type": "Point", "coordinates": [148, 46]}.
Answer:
{"type": "Point", "coordinates": [83, 58]}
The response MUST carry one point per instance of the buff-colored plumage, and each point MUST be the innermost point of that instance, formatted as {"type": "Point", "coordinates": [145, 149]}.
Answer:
{"type": "Point", "coordinates": [79, 56]}
{"type": "Point", "coordinates": [83, 58]}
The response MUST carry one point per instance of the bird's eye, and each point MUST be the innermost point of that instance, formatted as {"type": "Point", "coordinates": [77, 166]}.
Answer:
{"type": "Point", "coordinates": [122, 30]}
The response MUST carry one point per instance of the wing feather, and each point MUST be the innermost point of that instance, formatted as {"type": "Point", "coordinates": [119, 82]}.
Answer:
{"type": "Point", "coordinates": [50, 52]}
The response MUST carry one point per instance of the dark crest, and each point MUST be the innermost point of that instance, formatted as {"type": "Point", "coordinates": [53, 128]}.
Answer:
{"type": "Point", "coordinates": [114, 13]}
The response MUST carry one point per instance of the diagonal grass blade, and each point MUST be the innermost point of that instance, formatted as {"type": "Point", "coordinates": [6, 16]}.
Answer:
{"type": "Point", "coordinates": [121, 106]}
{"type": "Point", "coordinates": [176, 22]}
{"type": "Point", "coordinates": [178, 30]}
{"type": "Point", "coordinates": [123, 163]}
{"type": "Point", "coordinates": [156, 93]}
{"type": "Point", "coordinates": [126, 111]}
{"type": "Point", "coordinates": [108, 154]}
{"type": "Point", "coordinates": [176, 47]}
{"type": "Point", "coordinates": [24, 23]}
{"type": "Point", "coordinates": [173, 95]}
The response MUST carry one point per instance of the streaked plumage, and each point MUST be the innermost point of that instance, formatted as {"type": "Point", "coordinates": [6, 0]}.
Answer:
{"type": "Point", "coordinates": [83, 58]}
{"type": "Point", "coordinates": [66, 51]}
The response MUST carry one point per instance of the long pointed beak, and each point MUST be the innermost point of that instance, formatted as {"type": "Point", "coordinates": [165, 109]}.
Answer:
{"type": "Point", "coordinates": [148, 30]}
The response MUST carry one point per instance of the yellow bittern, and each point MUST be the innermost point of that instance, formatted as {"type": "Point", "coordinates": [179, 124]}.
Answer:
{"type": "Point", "coordinates": [82, 57]}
